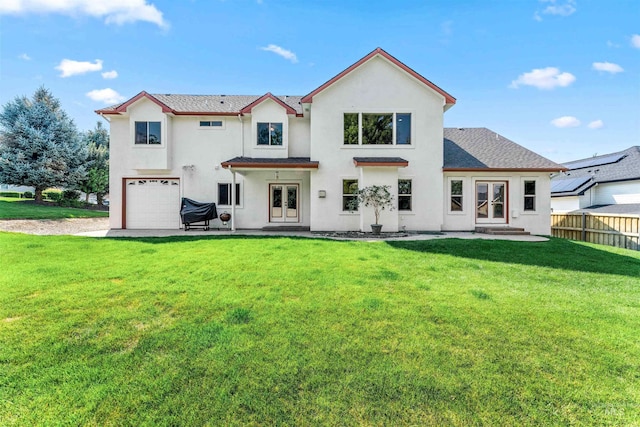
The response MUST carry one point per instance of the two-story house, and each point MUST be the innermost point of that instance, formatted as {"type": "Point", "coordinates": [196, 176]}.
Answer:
{"type": "Point", "coordinates": [298, 160]}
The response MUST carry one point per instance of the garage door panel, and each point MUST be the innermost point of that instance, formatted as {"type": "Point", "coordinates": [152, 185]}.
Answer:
{"type": "Point", "coordinates": [153, 203]}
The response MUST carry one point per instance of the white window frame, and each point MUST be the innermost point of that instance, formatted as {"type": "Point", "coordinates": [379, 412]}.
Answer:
{"type": "Point", "coordinates": [450, 195]}
{"type": "Point", "coordinates": [162, 133]}
{"type": "Point", "coordinates": [270, 145]}
{"type": "Point", "coordinates": [343, 195]}
{"type": "Point", "coordinates": [394, 143]}
{"type": "Point", "coordinates": [239, 198]}
{"type": "Point", "coordinates": [533, 211]}
{"type": "Point", "coordinates": [405, 196]}
{"type": "Point", "coordinates": [222, 124]}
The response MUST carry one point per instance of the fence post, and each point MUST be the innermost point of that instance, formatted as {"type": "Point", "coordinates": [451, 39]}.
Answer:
{"type": "Point", "coordinates": [584, 226]}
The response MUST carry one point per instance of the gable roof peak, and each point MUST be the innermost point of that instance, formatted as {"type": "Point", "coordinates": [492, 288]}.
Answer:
{"type": "Point", "coordinates": [268, 95]}
{"type": "Point", "coordinates": [449, 100]}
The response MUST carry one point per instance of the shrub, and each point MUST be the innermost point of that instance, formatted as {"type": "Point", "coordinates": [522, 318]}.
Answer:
{"type": "Point", "coordinates": [70, 195]}
{"type": "Point", "coordinates": [53, 195]}
{"type": "Point", "coordinates": [11, 194]}
{"type": "Point", "coordinates": [27, 195]}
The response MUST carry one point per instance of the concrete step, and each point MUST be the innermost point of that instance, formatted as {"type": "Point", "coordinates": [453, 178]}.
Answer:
{"type": "Point", "coordinates": [503, 231]}
{"type": "Point", "coordinates": [285, 228]}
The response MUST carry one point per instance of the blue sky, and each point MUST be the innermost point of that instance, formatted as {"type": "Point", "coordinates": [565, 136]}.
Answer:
{"type": "Point", "coordinates": [561, 77]}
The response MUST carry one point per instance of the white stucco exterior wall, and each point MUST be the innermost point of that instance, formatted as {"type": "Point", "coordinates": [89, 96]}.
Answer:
{"type": "Point", "coordinates": [377, 86]}
{"type": "Point", "coordinates": [536, 222]}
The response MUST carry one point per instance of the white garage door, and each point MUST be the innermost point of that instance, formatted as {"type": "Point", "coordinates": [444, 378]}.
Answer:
{"type": "Point", "coordinates": [153, 203]}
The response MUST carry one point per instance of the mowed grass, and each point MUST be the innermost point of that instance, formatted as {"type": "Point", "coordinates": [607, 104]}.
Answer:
{"type": "Point", "coordinates": [11, 208]}
{"type": "Point", "coordinates": [281, 331]}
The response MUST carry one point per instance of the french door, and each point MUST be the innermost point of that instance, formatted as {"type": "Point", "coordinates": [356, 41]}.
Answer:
{"type": "Point", "coordinates": [491, 202]}
{"type": "Point", "coordinates": [284, 203]}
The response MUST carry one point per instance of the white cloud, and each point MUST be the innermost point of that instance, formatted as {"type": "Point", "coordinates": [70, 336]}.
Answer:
{"type": "Point", "coordinates": [608, 67]}
{"type": "Point", "coordinates": [559, 8]}
{"type": "Point", "coordinates": [286, 54]}
{"type": "Point", "coordinates": [24, 57]}
{"type": "Point", "coordinates": [69, 67]}
{"type": "Point", "coordinates": [107, 96]}
{"type": "Point", "coordinates": [566, 122]}
{"type": "Point", "coordinates": [612, 44]}
{"type": "Point", "coordinates": [110, 74]}
{"type": "Point", "coordinates": [544, 78]}
{"type": "Point", "coordinates": [635, 41]}
{"type": "Point", "coordinates": [113, 11]}
{"type": "Point", "coordinates": [596, 124]}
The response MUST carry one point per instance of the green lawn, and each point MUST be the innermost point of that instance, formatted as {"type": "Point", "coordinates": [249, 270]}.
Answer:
{"type": "Point", "coordinates": [282, 331]}
{"type": "Point", "coordinates": [11, 208]}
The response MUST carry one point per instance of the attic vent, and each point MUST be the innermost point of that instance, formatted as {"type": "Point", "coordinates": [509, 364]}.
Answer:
{"type": "Point", "coordinates": [223, 95]}
{"type": "Point", "coordinates": [460, 128]}
{"type": "Point", "coordinates": [167, 94]}
{"type": "Point", "coordinates": [221, 102]}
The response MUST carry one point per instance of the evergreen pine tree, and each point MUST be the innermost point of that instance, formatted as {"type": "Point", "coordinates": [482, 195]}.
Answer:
{"type": "Point", "coordinates": [39, 144]}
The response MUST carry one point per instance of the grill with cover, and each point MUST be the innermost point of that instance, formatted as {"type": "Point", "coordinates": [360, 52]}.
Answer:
{"type": "Point", "coordinates": [192, 211]}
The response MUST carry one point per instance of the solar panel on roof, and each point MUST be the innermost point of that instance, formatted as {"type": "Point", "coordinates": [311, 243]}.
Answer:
{"type": "Point", "coordinates": [596, 161]}
{"type": "Point", "coordinates": [565, 185]}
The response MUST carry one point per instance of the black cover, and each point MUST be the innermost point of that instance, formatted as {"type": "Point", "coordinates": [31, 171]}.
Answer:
{"type": "Point", "coordinates": [192, 211]}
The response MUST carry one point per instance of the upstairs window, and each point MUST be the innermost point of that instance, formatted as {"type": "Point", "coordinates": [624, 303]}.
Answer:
{"type": "Point", "coordinates": [351, 128]}
{"type": "Point", "coordinates": [403, 129]}
{"type": "Point", "coordinates": [377, 128]}
{"type": "Point", "coordinates": [210, 124]}
{"type": "Point", "coordinates": [270, 134]}
{"type": "Point", "coordinates": [530, 196]}
{"type": "Point", "coordinates": [148, 133]}
{"type": "Point", "coordinates": [404, 194]}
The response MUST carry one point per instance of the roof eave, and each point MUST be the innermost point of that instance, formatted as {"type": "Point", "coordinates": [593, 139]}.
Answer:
{"type": "Point", "coordinates": [453, 169]}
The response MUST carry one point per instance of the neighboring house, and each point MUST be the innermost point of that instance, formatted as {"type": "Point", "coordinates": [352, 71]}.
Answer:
{"type": "Point", "coordinates": [283, 161]}
{"type": "Point", "coordinates": [610, 179]}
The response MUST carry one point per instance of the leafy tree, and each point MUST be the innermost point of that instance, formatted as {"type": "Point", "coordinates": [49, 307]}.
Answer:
{"type": "Point", "coordinates": [97, 178]}
{"type": "Point", "coordinates": [39, 144]}
{"type": "Point", "coordinates": [377, 196]}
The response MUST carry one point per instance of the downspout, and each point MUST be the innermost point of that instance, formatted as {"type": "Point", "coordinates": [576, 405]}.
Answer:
{"type": "Point", "coordinates": [233, 199]}
{"type": "Point", "coordinates": [241, 135]}
{"type": "Point", "coordinates": [107, 120]}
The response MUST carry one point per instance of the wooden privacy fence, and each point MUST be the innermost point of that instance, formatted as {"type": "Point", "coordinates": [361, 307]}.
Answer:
{"type": "Point", "coordinates": [622, 231]}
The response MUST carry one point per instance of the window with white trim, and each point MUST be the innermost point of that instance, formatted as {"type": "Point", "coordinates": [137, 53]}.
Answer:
{"type": "Point", "coordinates": [270, 134]}
{"type": "Point", "coordinates": [455, 191]}
{"type": "Point", "coordinates": [529, 195]}
{"type": "Point", "coordinates": [224, 194]}
{"type": "Point", "coordinates": [349, 195]}
{"type": "Point", "coordinates": [404, 195]}
{"type": "Point", "coordinates": [377, 128]}
{"type": "Point", "coordinates": [148, 133]}
{"type": "Point", "coordinates": [211, 124]}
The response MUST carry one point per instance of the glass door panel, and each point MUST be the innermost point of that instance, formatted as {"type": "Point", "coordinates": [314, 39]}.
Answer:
{"type": "Point", "coordinates": [491, 202]}
{"type": "Point", "coordinates": [498, 200]}
{"type": "Point", "coordinates": [482, 200]}
{"type": "Point", "coordinates": [292, 202]}
{"type": "Point", "coordinates": [284, 203]}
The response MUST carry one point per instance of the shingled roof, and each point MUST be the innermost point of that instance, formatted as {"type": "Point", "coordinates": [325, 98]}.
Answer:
{"type": "Point", "coordinates": [206, 104]}
{"type": "Point", "coordinates": [585, 173]}
{"type": "Point", "coordinates": [484, 150]}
